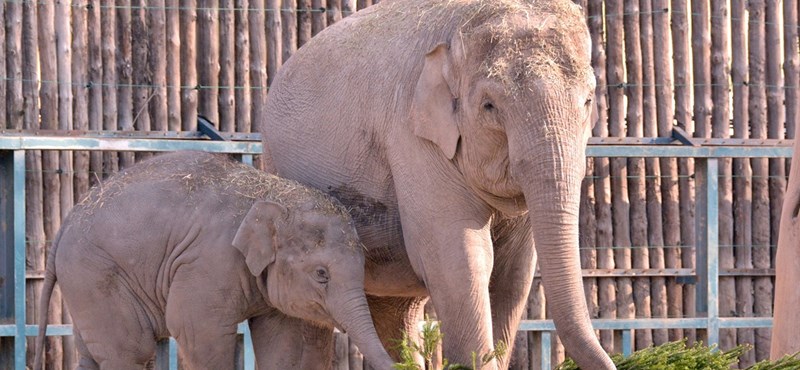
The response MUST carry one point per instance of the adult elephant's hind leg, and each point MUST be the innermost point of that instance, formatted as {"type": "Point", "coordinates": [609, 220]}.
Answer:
{"type": "Point", "coordinates": [394, 316]}
{"type": "Point", "coordinates": [514, 264]}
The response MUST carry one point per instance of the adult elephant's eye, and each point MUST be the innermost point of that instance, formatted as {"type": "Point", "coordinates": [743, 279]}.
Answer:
{"type": "Point", "coordinates": [321, 275]}
{"type": "Point", "coordinates": [488, 106]}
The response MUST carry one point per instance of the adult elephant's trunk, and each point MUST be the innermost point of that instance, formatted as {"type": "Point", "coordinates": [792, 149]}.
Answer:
{"type": "Point", "coordinates": [548, 162]}
{"type": "Point", "coordinates": [351, 312]}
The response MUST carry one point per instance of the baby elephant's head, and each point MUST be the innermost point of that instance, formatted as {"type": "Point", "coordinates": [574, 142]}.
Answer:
{"type": "Point", "coordinates": [308, 260]}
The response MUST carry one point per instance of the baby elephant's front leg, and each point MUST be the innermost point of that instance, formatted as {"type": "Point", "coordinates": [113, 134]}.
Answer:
{"type": "Point", "coordinates": [284, 342]}
{"type": "Point", "coordinates": [205, 340]}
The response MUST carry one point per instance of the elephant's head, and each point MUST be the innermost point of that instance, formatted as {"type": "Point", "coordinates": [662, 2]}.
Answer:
{"type": "Point", "coordinates": [509, 100]}
{"type": "Point", "coordinates": [309, 264]}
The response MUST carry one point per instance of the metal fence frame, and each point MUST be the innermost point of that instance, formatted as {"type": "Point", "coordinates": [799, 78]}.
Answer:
{"type": "Point", "coordinates": [705, 152]}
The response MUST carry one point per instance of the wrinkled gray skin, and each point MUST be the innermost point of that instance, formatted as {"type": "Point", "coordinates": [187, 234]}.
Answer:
{"type": "Point", "coordinates": [191, 244]}
{"type": "Point", "coordinates": [455, 133]}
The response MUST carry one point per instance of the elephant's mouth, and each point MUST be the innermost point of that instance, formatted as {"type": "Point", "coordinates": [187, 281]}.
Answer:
{"type": "Point", "coordinates": [510, 207]}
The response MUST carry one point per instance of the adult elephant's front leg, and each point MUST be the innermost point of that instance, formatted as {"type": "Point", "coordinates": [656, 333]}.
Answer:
{"type": "Point", "coordinates": [454, 258]}
{"type": "Point", "coordinates": [514, 265]}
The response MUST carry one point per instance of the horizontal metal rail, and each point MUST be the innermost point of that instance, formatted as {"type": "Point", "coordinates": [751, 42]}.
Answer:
{"type": "Point", "coordinates": [706, 152]}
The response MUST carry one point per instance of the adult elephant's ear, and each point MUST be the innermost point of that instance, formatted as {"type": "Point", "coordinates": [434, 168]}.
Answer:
{"type": "Point", "coordinates": [434, 106]}
{"type": "Point", "coordinates": [257, 235]}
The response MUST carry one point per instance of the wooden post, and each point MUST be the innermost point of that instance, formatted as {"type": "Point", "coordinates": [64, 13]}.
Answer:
{"type": "Point", "coordinates": [303, 22]}
{"type": "Point", "coordinates": [65, 63]}
{"type": "Point", "coordinates": [208, 59]}
{"type": "Point", "coordinates": [334, 13]}
{"type": "Point", "coordinates": [349, 7]}
{"type": "Point", "coordinates": [80, 94]}
{"type": "Point", "coordinates": [174, 70]}
{"type": "Point", "coordinates": [157, 61]}
{"type": "Point", "coordinates": [188, 66]}
{"type": "Point", "coordinates": [683, 118]}
{"type": "Point", "coordinates": [109, 51]}
{"type": "Point", "coordinates": [242, 75]}
{"type": "Point", "coordinates": [274, 39]}
{"type": "Point", "coordinates": [361, 4]}
{"type": "Point", "coordinates": [637, 192]}
{"type": "Point", "coordinates": [289, 32]}
{"type": "Point", "coordinates": [34, 213]}
{"type": "Point", "coordinates": [3, 87]}
{"type": "Point", "coordinates": [49, 111]}
{"type": "Point", "coordinates": [227, 66]}
{"type": "Point", "coordinates": [13, 59]}
{"type": "Point", "coordinates": [791, 67]}
{"type": "Point", "coordinates": [124, 81]}
{"type": "Point", "coordinates": [317, 16]}
{"type": "Point", "coordinates": [720, 124]}
{"type": "Point", "coordinates": [619, 172]}
{"type": "Point", "coordinates": [761, 212]}
{"type": "Point", "coordinates": [96, 87]}
{"type": "Point", "coordinates": [653, 202]}
{"type": "Point", "coordinates": [141, 70]}
{"type": "Point", "coordinates": [588, 239]}
{"type": "Point", "coordinates": [742, 200]}
{"type": "Point", "coordinates": [777, 166]}
{"type": "Point", "coordinates": [258, 59]}
{"type": "Point", "coordinates": [606, 287]}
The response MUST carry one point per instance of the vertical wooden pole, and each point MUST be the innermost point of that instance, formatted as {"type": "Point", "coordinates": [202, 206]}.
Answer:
{"type": "Point", "coordinates": [349, 7]}
{"type": "Point", "coordinates": [80, 93]}
{"type": "Point", "coordinates": [303, 22]}
{"type": "Point", "coordinates": [334, 11]}
{"type": "Point", "coordinates": [274, 39]}
{"type": "Point", "coordinates": [758, 128]}
{"type": "Point", "coordinates": [289, 32]}
{"type": "Point", "coordinates": [109, 55]}
{"type": "Point", "coordinates": [94, 27]}
{"type": "Point", "coordinates": [227, 66]}
{"type": "Point", "coordinates": [124, 81]}
{"type": "Point", "coordinates": [720, 124]}
{"type": "Point", "coordinates": [142, 75]}
{"type": "Point", "coordinates": [653, 201]}
{"type": "Point", "coordinates": [669, 166]}
{"type": "Point", "coordinates": [49, 115]}
{"type": "Point", "coordinates": [318, 16]}
{"type": "Point", "coordinates": [13, 58]}
{"type": "Point", "coordinates": [606, 287]}
{"type": "Point", "coordinates": [743, 198]}
{"type": "Point", "coordinates": [208, 59]}
{"type": "Point", "coordinates": [188, 58]}
{"type": "Point", "coordinates": [157, 60]}
{"type": "Point", "coordinates": [66, 173]}
{"type": "Point", "coordinates": [3, 87]}
{"type": "Point", "coordinates": [174, 71]}
{"type": "Point", "coordinates": [683, 118]}
{"type": "Point", "coordinates": [258, 60]}
{"type": "Point", "coordinates": [588, 239]}
{"type": "Point", "coordinates": [619, 172]}
{"type": "Point", "coordinates": [243, 93]}
{"type": "Point", "coordinates": [777, 166]}
{"type": "Point", "coordinates": [791, 66]}
{"type": "Point", "coordinates": [361, 4]}
{"type": "Point", "coordinates": [637, 192]}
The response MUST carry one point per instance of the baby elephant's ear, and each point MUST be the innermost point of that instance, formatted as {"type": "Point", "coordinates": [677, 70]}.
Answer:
{"type": "Point", "coordinates": [257, 236]}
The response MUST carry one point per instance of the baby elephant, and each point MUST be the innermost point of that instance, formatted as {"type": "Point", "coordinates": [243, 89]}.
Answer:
{"type": "Point", "coordinates": [190, 244]}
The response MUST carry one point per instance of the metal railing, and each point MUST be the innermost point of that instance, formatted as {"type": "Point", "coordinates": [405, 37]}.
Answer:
{"type": "Point", "coordinates": [706, 153]}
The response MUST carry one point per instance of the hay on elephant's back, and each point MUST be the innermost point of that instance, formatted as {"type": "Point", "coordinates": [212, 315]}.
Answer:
{"type": "Point", "coordinates": [196, 174]}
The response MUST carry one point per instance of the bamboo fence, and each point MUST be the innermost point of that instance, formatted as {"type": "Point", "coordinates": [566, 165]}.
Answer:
{"type": "Point", "coordinates": [716, 68]}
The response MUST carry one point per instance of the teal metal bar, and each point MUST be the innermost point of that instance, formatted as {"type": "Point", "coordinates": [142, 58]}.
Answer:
{"type": "Point", "coordinates": [129, 145]}
{"type": "Point", "coordinates": [7, 286]}
{"type": "Point", "coordinates": [249, 354]}
{"type": "Point", "coordinates": [162, 355]}
{"type": "Point", "coordinates": [627, 342]}
{"type": "Point", "coordinates": [546, 349]}
{"type": "Point", "coordinates": [712, 257]}
{"type": "Point", "coordinates": [247, 159]}
{"type": "Point", "coordinates": [173, 354]}
{"type": "Point", "coordinates": [19, 258]}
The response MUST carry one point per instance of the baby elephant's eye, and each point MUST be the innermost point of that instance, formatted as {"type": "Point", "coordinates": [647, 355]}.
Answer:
{"type": "Point", "coordinates": [321, 275]}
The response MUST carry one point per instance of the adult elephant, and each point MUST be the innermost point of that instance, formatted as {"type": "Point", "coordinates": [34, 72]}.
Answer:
{"type": "Point", "coordinates": [455, 131]}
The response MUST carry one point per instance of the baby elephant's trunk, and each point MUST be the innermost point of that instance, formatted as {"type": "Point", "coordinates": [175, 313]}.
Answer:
{"type": "Point", "coordinates": [351, 311]}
